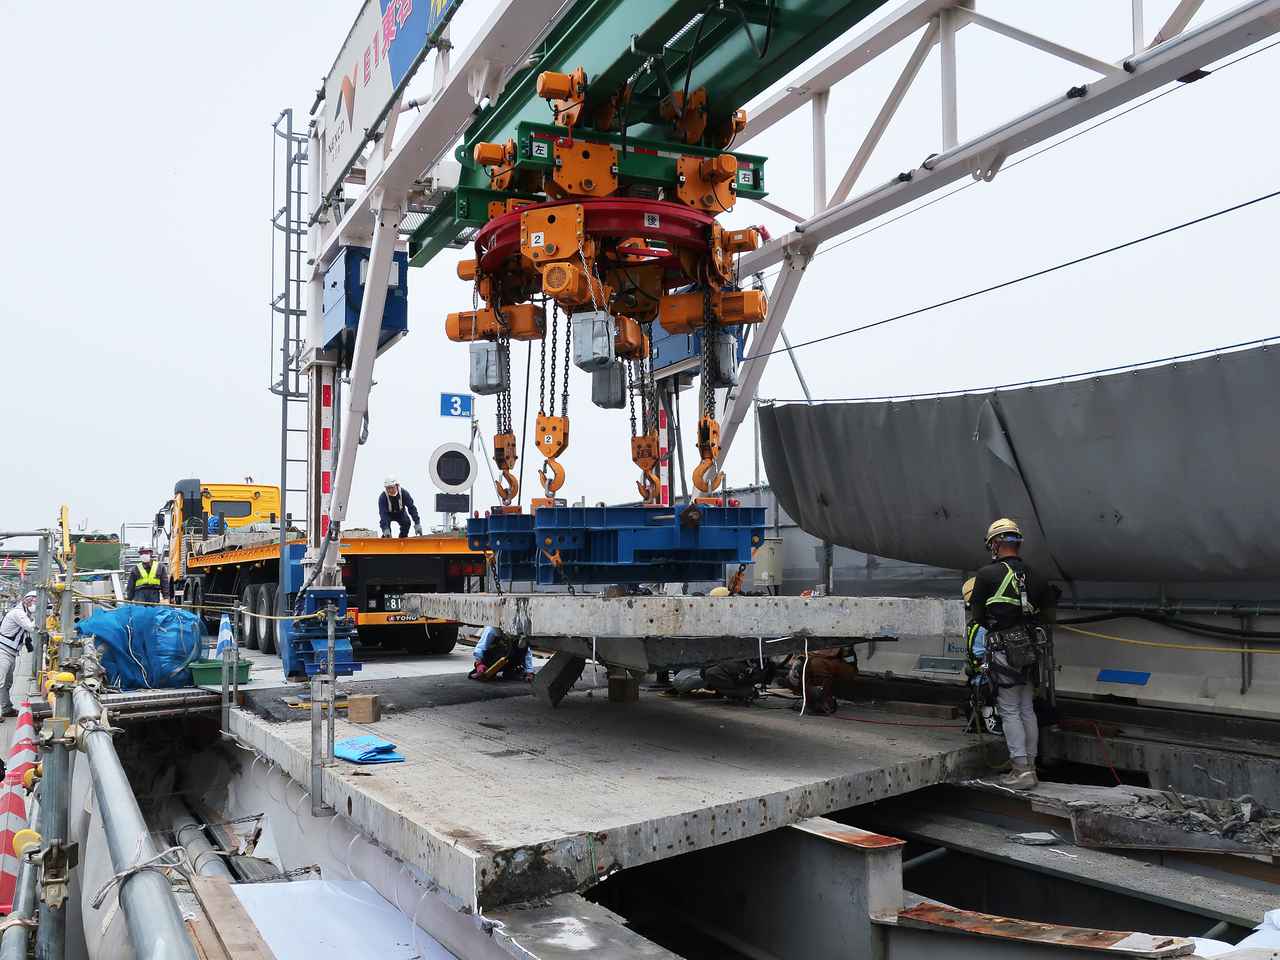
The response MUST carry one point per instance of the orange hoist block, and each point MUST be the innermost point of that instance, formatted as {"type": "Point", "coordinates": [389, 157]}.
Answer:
{"type": "Point", "coordinates": [630, 342]}
{"type": "Point", "coordinates": [740, 241]}
{"type": "Point", "coordinates": [554, 233]}
{"type": "Point", "coordinates": [552, 439]}
{"type": "Point", "coordinates": [569, 285]}
{"type": "Point", "coordinates": [706, 183]}
{"type": "Point", "coordinates": [520, 321]}
{"type": "Point", "coordinates": [504, 455]}
{"type": "Point", "coordinates": [566, 92]}
{"type": "Point", "coordinates": [500, 159]}
{"type": "Point", "coordinates": [742, 306]}
{"type": "Point", "coordinates": [467, 270]}
{"type": "Point", "coordinates": [709, 448]}
{"type": "Point", "coordinates": [584, 169]}
{"type": "Point", "coordinates": [644, 454]}
{"type": "Point", "coordinates": [467, 325]}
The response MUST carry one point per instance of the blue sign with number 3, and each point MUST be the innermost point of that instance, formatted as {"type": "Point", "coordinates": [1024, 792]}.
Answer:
{"type": "Point", "coordinates": [455, 405]}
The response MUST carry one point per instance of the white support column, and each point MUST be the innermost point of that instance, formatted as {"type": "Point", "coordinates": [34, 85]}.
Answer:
{"type": "Point", "coordinates": [872, 139]}
{"type": "Point", "coordinates": [947, 20]}
{"type": "Point", "coordinates": [389, 212]}
{"type": "Point", "coordinates": [320, 373]}
{"type": "Point", "coordinates": [763, 342]}
{"type": "Point", "coordinates": [1178, 20]}
{"type": "Point", "coordinates": [820, 101]}
{"type": "Point", "coordinates": [1138, 24]}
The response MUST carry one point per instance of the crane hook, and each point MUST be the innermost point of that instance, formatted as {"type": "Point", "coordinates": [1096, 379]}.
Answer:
{"type": "Point", "coordinates": [549, 487]}
{"type": "Point", "coordinates": [507, 492]}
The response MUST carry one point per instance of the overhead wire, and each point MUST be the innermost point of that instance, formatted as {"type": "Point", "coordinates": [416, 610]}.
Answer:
{"type": "Point", "coordinates": [1035, 274]}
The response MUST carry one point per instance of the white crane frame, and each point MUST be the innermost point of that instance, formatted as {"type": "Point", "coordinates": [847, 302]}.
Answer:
{"type": "Point", "coordinates": [393, 171]}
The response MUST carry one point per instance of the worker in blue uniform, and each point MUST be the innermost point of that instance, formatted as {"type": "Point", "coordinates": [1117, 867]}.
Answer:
{"type": "Point", "coordinates": [501, 656]}
{"type": "Point", "coordinates": [396, 505]}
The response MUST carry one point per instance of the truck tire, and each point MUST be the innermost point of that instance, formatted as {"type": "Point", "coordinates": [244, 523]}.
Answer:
{"type": "Point", "coordinates": [412, 637]}
{"type": "Point", "coordinates": [193, 596]}
{"type": "Point", "coordinates": [246, 619]}
{"type": "Point", "coordinates": [266, 608]}
{"type": "Point", "coordinates": [253, 635]}
{"type": "Point", "coordinates": [441, 638]}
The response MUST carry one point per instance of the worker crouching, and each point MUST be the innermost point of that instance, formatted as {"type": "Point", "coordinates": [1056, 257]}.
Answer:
{"type": "Point", "coordinates": [500, 656]}
{"type": "Point", "coordinates": [1006, 603]}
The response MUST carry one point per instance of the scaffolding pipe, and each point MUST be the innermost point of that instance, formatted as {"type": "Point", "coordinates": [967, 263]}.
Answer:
{"type": "Point", "coordinates": [189, 832]}
{"type": "Point", "coordinates": [55, 799]}
{"type": "Point", "coordinates": [155, 922]}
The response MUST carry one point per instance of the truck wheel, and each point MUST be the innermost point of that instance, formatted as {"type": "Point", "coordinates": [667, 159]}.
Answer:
{"type": "Point", "coordinates": [193, 597]}
{"type": "Point", "coordinates": [441, 638]}
{"type": "Point", "coordinates": [266, 608]}
{"type": "Point", "coordinates": [246, 618]}
{"type": "Point", "coordinates": [252, 635]}
{"type": "Point", "coordinates": [412, 638]}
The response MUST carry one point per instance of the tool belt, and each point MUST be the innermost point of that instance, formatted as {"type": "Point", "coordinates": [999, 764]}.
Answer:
{"type": "Point", "coordinates": [1021, 647]}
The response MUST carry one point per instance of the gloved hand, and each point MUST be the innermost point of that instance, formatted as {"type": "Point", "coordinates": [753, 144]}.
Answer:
{"type": "Point", "coordinates": [417, 529]}
{"type": "Point", "coordinates": [477, 670]}
{"type": "Point", "coordinates": [386, 531]}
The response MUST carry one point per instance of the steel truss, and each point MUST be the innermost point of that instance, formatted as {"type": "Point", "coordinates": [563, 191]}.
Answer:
{"type": "Point", "coordinates": [1174, 53]}
{"type": "Point", "coordinates": [412, 167]}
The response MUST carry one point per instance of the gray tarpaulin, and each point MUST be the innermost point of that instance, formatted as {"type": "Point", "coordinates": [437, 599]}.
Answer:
{"type": "Point", "coordinates": [1165, 473]}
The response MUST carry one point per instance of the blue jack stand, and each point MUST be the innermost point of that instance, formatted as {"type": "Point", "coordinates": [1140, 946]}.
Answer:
{"type": "Point", "coordinates": [305, 651]}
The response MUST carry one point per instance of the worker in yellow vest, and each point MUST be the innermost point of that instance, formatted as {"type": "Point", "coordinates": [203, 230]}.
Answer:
{"type": "Point", "coordinates": [148, 580]}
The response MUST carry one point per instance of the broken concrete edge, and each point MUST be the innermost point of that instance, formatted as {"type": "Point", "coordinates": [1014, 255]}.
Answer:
{"type": "Point", "coordinates": [483, 879]}
{"type": "Point", "coordinates": [577, 615]}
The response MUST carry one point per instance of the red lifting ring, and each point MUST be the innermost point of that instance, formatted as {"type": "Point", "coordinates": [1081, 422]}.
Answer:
{"type": "Point", "coordinates": [674, 224]}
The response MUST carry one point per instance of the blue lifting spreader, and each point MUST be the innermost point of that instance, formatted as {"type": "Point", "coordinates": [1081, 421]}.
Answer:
{"type": "Point", "coordinates": [635, 544]}
{"type": "Point", "coordinates": [305, 650]}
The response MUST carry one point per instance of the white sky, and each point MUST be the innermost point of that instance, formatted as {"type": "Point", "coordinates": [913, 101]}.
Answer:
{"type": "Point", "coordinates": [135, 252]}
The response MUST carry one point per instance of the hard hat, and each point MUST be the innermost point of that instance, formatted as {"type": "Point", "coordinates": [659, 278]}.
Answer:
{"type": "Point", "coordinates": [718, 592]}
{"type": "Point", "coordinates": [966, 591]}
{"type": "Point", "coordinates": [1003, 527]}
{"type": "Point", "coordinates": [142, 550]}
{"type": "Point", "coordinates": [30, 595]}
{"type": "Point", "coordinates": [391, 482]}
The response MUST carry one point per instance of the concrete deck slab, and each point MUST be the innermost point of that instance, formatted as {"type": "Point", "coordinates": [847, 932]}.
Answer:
{"type": "Point", "coordinates": [505, 801]}
{"type": "Point", "coordinates": [647, 633]}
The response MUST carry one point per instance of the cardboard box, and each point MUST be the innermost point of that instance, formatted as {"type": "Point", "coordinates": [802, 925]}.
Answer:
{"type": "Point", "coordinates": [364, 708]}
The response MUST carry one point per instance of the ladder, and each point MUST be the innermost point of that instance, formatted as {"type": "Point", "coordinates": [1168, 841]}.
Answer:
{"type": "Point", "coordinates": [286, 377]}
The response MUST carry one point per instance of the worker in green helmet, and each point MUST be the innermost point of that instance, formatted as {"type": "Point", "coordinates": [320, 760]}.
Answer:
{"type": "Point", "coordinates": [1007, 602]}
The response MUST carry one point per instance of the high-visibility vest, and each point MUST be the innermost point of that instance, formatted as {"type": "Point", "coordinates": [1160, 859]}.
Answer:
{"type": "Point", "coordinates": [148, 578]}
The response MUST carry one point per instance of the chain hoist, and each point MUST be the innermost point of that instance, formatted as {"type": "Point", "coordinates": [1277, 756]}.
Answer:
{"type": "Point", "coordinates": [552, 437]}
{"type": "Point", "coordinates": [708, 428]}
{"type": "Point", "coordinates": [504, 438]}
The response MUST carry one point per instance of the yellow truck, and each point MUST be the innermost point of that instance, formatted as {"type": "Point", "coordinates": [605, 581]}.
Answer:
{"type": "Point", "coordinates": [224, 550]}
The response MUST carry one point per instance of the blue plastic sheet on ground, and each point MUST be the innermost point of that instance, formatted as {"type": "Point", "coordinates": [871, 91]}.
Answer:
{"type": "Point", "coordinates": [145, 647]}
{"type": "Point", "coordinates": [367, 749]}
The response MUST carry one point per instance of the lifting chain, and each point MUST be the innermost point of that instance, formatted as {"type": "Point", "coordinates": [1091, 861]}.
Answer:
{"type": "Point", "coordinates": [542, 362]}
{"type": "Point", "coordinates": [552, 437]}
{"type": "Point", "coordinates": [627, 366]}
{"type": "Point", "coordinates": [708, 428]}
{"type": "Point", "coordinates": [504, 439]}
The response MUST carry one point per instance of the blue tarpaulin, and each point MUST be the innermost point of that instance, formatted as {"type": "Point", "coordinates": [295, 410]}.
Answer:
{"type": "Point", "coordinates": [145, 647]}
{"type": "Point", "coordinates": [367, 749]}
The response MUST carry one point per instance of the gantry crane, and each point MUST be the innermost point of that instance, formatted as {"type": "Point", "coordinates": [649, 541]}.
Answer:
{"type": "Point", "coordinates": [601, 140]}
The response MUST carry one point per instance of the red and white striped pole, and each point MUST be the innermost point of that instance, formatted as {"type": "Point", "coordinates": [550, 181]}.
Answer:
{"type": "Point", "coordinates": [13, 801]}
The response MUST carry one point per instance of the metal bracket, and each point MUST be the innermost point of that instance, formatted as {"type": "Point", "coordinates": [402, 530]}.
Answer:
{"type": "Point", "coordinates": [56, 861]}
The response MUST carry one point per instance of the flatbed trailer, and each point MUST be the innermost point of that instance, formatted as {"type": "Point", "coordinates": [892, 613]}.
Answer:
{"type": "Point", "coordinates": [377, 572]}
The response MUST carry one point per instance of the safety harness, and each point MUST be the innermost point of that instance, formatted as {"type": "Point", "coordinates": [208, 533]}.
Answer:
{"type": "Point", "coordinates": [1020, 644]}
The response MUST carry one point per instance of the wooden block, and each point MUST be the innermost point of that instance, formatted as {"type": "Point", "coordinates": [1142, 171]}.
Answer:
{"type": "Point", "coordinates": [364, 708]}
{"type": "Point", "coordinates": [236, 930]}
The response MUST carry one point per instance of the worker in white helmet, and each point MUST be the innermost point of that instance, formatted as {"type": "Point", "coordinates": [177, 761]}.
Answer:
{"type": "Point", "coordinates": [15, 632]}
{"type": "Point", "coordinates": [396, 505]}
{"type": "Point", "coordinates": [1007, 601]}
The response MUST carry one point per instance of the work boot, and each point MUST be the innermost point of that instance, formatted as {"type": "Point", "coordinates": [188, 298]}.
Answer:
{"type": "Point", "coordinates": [1022, 777]}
